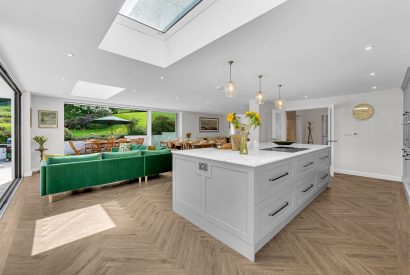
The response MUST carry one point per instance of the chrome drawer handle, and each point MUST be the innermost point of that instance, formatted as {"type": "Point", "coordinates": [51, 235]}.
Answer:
{"type": "Point", "coordinates": [308, 164]}
{"type": "Point", "coordinates": [277, 211]}
{"type": "Point", "coordinates": [325, 176]}
{"type": "Point", "coordinates": [304, 191]}
{"type": "Point", "coordinates": [325, 157]}
{"type": "Point", "coordinates": [281, 176]}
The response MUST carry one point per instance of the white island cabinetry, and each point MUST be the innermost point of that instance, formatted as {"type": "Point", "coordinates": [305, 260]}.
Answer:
{"type": "Point", "coordinates": [246, 200]}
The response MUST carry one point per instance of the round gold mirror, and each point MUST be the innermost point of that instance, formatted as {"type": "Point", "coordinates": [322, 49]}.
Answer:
{"type": "Point", "coordinates": [363, 111]}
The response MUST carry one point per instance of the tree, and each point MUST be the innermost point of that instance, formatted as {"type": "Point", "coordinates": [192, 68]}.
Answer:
{"type": "Point", "coordinates": [162, 124]}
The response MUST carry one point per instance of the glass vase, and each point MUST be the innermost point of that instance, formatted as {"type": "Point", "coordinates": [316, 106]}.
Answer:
{"type": "Point", "coordinates": [243, 148]}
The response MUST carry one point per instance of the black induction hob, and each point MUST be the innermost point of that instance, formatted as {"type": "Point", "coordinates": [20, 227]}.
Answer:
{"type": "Point", "coordinates": [285, 149]}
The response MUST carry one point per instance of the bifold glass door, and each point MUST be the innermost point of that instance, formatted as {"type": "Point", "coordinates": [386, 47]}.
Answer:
{"type": "Point", "coordinates": [163, 127]}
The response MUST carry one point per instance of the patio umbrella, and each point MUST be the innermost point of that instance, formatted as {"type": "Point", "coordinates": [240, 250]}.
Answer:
{"type": "Point", "coordinates": [111, 120]}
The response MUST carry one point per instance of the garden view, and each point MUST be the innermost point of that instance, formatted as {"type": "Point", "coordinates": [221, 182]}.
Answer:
{"type": "Point", "coordinates": [79, 122]}
{"type": "Point", "coordinates": [5, 119]}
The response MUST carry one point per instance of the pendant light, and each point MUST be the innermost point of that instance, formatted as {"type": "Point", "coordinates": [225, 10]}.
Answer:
{"type": "Point", "coordinates": [279, 103]}
{"type": "Point", "coordinates": [230, 87]}
{"type": "Point", "coordinates": [260, 98]}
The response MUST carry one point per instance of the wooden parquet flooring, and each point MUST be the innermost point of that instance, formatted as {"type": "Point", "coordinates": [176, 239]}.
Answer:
{"type": "Point", "coordinates": [359, 226]}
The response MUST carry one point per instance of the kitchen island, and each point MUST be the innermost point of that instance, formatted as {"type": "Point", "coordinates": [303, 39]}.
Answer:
{"type": "Point", "coordinates": [245, 200]}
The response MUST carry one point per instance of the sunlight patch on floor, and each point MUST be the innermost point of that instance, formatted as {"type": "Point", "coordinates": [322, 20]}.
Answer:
{"type": "Point", "coordinates": [68, 227]}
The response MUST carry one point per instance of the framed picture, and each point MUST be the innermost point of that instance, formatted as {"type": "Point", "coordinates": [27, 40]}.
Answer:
{"type": "Point", "coordinates": [207, 124]}
{"type": "Point", "coordinates": [47, 119]}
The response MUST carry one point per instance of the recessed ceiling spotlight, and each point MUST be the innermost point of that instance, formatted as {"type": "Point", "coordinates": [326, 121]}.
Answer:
{"type": "Point", "coordinates": [240, 108]}
{"type": "Point", "coordinates": [207, 103]}
{"type": "Point", "coordinates": [162, 77]}
{"type": "Point", "coordinates": [219, 87]}
{"type": "Point", "coordinates": [368, 48]}
{"type": "Point", "coordinates": [176, 97]}
{"type": "Point", "coordinates": [70, 54]}
{"type": "Point", "coordinates": [372, 74]}
{"type": "Point", "coordinates": [63, 78]}
{"type": "Point", "coordinates": [374, 87]}
{"type": "Point", "coordinates": [305, 96]}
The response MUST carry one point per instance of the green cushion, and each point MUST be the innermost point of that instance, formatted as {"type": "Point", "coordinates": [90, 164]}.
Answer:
{"type": "Point", "coordinates": [117, 155]}
{"type": "Point", "coordinates": [138, 147]}
{"type": "Point", "coordinates": [155, 152]}
{"type": "Point", "coordinates": [71, 159]}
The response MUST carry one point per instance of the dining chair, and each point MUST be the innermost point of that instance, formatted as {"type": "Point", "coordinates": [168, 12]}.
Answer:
{"type": "Point", "coordinates": [76, 151]}
{"type": "Point", "coordinates": [96, 146]}
{"type": "Point", "coordinates": [109, 144]}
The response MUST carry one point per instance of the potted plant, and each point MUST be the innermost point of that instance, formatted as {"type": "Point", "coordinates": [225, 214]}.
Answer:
{"type": "Point", "coordinates": [188, 135]}
{"type": "Point", "coordinates": [254, 120]}
{"type": "Point", "coordinates": [40, 140]}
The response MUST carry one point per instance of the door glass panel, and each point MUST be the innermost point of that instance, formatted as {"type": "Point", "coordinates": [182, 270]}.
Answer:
{"type": "Point", "coordinates": [163, 127]}
{"type": "Point", "coordinates": [6, 136]}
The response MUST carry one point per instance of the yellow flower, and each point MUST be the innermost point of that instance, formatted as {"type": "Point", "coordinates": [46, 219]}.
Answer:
{"type": "Point", "coordinates": [258, 117]}
{"type": "Point", "coordinates": [248, 113]}
{"type": "Point", "coordinates": [230, 117]}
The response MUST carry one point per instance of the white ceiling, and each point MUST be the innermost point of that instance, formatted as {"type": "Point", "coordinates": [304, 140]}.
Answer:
{"type": "Point", "coordinates": [315, 48]}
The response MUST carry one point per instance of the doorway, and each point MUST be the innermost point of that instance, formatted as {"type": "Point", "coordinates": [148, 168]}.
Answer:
{"type": "Point", "coordinates": [292, 125]}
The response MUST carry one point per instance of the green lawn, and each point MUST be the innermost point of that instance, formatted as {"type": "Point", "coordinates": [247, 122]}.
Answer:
{"type": "Point", "coordinates": [5, 122]}
{"type": "Point", "coordinates": [121, 129]}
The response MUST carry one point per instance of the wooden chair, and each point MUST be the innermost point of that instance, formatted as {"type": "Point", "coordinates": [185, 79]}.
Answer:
{"type": "Point", "coordinates": [110, 143]}
{"type": "Point", "coordinates": [122, 140]}
{"type": "Point", "coordinates": [135, 141]}
{"type": "Point", "coordinates": [76, 151]}
{"type": "Point", "coordinates": [96, 146]}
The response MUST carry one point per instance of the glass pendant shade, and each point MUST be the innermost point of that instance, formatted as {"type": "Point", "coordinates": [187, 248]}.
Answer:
{"type": "Point", "coordinates": [279, 103]}
{"type": "Point", "coordinates": [231, 89]}
{"type": "Point", "coordinates": [260, 98]}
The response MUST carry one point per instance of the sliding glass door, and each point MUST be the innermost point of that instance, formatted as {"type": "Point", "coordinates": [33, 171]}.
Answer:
{"type": "Point", "coordinates": [9, 145]}
{"type": "Point", "coordinates": [163, 127]}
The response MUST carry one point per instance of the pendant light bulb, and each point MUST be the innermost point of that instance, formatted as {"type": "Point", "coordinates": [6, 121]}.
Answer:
{"type": "Point", "coordinates": [260, 98]}
{"type": "Point", "coordinates": [230, 87]}
{"type": "Point", "coordinates": [279, 103]}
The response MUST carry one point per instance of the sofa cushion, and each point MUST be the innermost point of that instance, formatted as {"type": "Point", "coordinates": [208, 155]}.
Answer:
{"type": "Point", "coordinates": [138, 147]}
{"type": "Point", "coordinates": [155, 152]}
{"type": "Point", "coordinates": [71, 159]}
{"type": "Point", "coordinates": [117, 155]}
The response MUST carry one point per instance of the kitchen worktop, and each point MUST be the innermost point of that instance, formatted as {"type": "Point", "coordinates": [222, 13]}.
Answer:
{"type": "Point", "coordinates": [256, 157]}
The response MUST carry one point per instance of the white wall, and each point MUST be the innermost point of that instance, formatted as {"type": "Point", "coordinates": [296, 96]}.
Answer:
{"type": "Point", "coordinates": [376, 150]}
{"type": "Point", "coordinates": [55, 143]}
{"type": "Point", "coordinates": [189, 122]}
{"type": "Point", "coordinates": [26, 131]}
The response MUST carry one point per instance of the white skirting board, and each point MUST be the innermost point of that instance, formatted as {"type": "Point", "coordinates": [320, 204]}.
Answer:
{"type": "Point", "coordinates": [368, 175]}
{"type": "Point", "coordinates": [406, 187]}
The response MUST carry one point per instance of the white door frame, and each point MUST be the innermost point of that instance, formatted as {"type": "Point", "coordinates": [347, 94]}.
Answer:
{"type": "Point", "coordinates": [331, 128]}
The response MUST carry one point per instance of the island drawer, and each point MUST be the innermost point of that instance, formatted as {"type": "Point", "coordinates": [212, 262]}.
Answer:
{"type": "Point", "coordinates": [272, 211]}
{"type": "Point", "coordinates": [323, 177]}
{"type": "Point", "coordinates": [323, 159]}
{"type": "Point", "coordinates": [272, 180]}
{"type": "Point", "coordinates": [304, 166]}
{"type": "Point", "coordinates": [305, 188]}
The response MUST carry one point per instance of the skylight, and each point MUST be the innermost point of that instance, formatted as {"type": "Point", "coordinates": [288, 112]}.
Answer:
{"type": "Point", "coordinates": [160, 15]}
{"type": "Point", "coordinates": [95, 90]}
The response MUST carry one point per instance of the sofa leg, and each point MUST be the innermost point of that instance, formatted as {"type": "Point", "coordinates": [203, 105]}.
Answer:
{"type": "Point", "coordinates": [50, 198]}
{"type": "Point", "coordinates": [139, 180]}
{"type": "Point", "coordinates": [146, 179]}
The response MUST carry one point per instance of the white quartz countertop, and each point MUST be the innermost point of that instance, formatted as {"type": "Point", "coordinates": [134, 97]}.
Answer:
{"type": "Point", "coordinates": [256, 157]}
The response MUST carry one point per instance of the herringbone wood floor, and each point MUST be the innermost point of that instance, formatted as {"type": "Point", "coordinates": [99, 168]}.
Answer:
{"type": "Point", "coordinates": [359, 226]}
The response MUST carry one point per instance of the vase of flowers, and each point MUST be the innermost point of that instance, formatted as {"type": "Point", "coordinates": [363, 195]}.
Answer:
{"type": "Point", "coordinates": [40, 140]}
{"type": "Point", "coordinates": [253, 120]}
{"type": "Point", "coordinates": [188, 135]}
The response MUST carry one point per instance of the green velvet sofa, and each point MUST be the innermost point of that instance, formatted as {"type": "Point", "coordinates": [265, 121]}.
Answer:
{"type": "Point", "coordinates": [61, 174]}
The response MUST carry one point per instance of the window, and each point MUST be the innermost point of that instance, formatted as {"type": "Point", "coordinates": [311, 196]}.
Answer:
{"type": "Point", "coordinates": [163, 127]}
{"type": "Point", "coordinates": [80, 125]}
{"type": "Point", "coordinates": [160, 15]}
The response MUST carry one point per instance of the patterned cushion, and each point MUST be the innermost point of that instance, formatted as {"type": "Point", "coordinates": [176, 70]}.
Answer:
{"type": "Point", "coordinates": [124, 147]}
